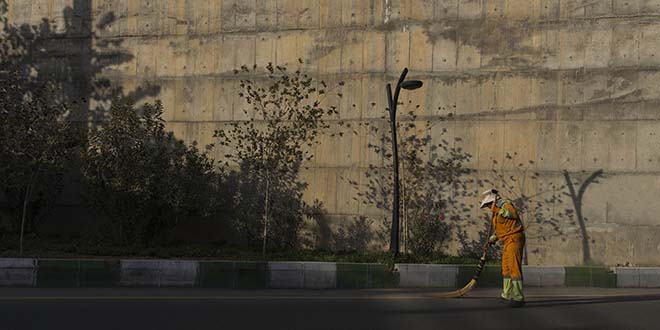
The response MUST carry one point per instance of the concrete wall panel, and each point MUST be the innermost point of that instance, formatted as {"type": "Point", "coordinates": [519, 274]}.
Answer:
{"type": "Point", "coordinates": [649, 7]}
{"type": "Point", "coordinates": [648, 146]}
{"type": "Point", "coordinates": [568, 84]}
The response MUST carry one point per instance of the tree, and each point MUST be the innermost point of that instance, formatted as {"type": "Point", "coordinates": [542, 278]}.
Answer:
{"type": "Point", "coordinates": [433, 181]}
{"type": "Point", "coordinates": [145, 179]}
{"type": "Point", "coordinates": [285, 118]}
{"type": "Point", "coordinates": [37, 141]}
{"type": "Point", "coordinates": [44, 104]}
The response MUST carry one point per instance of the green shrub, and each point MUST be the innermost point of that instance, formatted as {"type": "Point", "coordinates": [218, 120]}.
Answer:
{"type": "Point", "coordinates": [145, 179]}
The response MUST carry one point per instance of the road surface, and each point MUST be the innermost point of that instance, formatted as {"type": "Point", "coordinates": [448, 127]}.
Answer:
{"type": "Point", "coordinates": [191, 309]}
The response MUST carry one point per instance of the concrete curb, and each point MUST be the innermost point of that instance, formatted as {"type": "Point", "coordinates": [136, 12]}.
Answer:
{"type": "Point", "coordinates": [537, 276]}
{"type": "Point", "coordinates": [302, 275]}
{"type": "Point", "coordinates": [232, 274]}
{"type": "Point", "coordinates": [452, 276]}
{"type": "Point", "coordinates": [67, 273]}
{"type": "Point", "coordinates": [18, 272]}
{"type": "Point", "coordinates": [362, 276]}
{"type": "Point", "coordinates": [637, 277]}
{"type": "Point", "coordinates": [427, 276]}
{"type": "Point", "coordinates": [158, 272]}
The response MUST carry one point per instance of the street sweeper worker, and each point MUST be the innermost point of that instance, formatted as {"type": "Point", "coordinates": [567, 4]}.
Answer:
{"type": "Point", "coordinates": [508, 229]}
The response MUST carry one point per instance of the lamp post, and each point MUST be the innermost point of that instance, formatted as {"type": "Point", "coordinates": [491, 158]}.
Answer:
{"type": "Point", "coordinates": [392, 103]}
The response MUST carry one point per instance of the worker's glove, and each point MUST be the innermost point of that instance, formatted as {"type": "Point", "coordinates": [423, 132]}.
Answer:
{"type": "Point", "coordinates": [492, 239]}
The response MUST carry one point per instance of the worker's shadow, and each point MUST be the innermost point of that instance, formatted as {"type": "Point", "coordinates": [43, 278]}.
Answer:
{"type": "Point", "coordinates": [595, 300]}
{"type": "Point", "coordinates": [541, 303]}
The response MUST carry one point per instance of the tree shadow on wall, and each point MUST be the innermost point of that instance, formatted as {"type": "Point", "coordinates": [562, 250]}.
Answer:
{"type": "Point", "coordinates": [79, 63]}
{"type": "Point", "coordinates": [435, 182]}
{"type": "Point", "coordinates": [353, 234]}
{"type": "Point", "coordinates": [76, 57]}
{"type": "Point", "coordinates": [537, 200]}
{"type": "Point", "coordinates": [577, 197]}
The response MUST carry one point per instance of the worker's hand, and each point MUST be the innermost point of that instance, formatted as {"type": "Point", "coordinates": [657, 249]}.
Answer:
{"type": "Point", "coordinates": [492, 239]}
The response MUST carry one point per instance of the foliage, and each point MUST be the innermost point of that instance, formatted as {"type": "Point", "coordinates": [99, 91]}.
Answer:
{"type": "Point", "coordinates": [145, 179]}
{"type": "Point", "coordinates": [82, 248]}
{"type": "Point", "coordinates": [433, 180]}
{"type": "Point", "coordinates": [426, 234]}
{"type": "Point", "coordinates": [474, 248]}
{"type": "Point", "coordinates": [354, 236]}
{"type": "Point", "coordinates": [37, 141]}
{"type": "Point", "coordinates": [285, 117]}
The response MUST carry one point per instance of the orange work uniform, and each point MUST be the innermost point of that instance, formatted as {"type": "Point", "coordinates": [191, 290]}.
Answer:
{"type": "Point", "coordinates": [509, 229]}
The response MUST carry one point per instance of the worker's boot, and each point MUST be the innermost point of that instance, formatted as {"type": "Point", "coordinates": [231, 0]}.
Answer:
{"type": "Point", "coordinates": [517, 297]}
{"type": "Point", "coordinates": [505, 297]}
{"type": "Point", "coordinates": [516, 303]}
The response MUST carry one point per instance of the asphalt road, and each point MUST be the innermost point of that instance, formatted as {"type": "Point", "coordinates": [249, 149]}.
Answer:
{"type": "Point", "coordinates": [192, 309]}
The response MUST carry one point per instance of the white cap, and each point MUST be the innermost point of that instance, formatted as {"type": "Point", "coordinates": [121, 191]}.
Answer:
{"type": "Point", "coordinates": [490, 196]}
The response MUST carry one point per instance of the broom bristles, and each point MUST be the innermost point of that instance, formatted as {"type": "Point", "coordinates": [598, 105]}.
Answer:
{"type": "Point", "coordinates": [482, 261]}
{"type": "Point", "coordinates": [458, 293]}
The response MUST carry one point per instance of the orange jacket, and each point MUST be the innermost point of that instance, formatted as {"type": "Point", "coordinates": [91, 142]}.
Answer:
{"type": "Point", "coordinates": [505, 219]}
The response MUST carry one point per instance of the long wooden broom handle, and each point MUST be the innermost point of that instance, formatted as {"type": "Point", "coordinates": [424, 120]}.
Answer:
{"type": "Point", "coordinates": [482, 260]}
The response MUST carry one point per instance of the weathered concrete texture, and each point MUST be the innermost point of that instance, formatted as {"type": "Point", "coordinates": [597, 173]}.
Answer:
{"type": "Point", "coordinates": [18, 272]}
{"type": "Point", "coordinates": [424, 276]}
{"type": "Point", "coordinates": [637, 277]}
{"type": "Point", "coordinates": [569, 85]}
{"type": "Point", "coordinates": [158, 272]}
{"type": "Point", "coordinates": [302, 275]}
{"type": "Point", "coordinates": [544, 276]}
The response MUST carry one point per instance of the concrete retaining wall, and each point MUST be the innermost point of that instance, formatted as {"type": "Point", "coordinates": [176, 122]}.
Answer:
{"type": "Point", "coordinates": [548, 81]}
{"type": "Point", "coordinates": [299, 275]}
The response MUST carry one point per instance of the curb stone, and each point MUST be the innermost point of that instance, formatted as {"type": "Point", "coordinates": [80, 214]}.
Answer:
{"type": "Point", "coordinates": [73, 273]}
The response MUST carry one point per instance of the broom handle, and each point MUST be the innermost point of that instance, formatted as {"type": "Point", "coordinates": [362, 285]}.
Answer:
{"type": "Point", "coordinates": [482, 260]}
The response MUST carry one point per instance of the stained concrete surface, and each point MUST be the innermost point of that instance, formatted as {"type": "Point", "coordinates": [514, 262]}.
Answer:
{"type": "Point", "coordinates": [570, 85]}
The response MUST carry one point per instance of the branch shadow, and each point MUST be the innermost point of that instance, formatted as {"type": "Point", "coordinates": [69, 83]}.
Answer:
{"type": "Point", "coordinates": [576, 198]}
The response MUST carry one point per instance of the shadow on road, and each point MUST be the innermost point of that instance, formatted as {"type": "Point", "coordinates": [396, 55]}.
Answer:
{"type": "Point", "coordinates": [598, 300]}
{"type": "Point", "coordinates": [494, 304]}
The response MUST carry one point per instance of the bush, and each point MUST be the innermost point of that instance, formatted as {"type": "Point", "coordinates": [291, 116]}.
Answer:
{"type": "Point", "coordinates": [145, 179]}
{"type": "Point", "coordinates": [433, 181]}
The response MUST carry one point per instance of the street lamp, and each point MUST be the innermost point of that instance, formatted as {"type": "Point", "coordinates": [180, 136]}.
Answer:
{"type": "Point", "coordinates": [392, 102]}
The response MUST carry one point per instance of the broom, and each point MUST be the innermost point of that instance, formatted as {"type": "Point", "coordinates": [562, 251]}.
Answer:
{"type": "Point", "coordinates": [480, 267]}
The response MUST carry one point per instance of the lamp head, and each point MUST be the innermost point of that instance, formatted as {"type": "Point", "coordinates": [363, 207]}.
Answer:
{"type": "Point", "coordinates": [411, 84]}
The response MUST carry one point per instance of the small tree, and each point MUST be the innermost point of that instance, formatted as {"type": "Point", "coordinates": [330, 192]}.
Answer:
{"type": "Point", "coordinates": [433, 180]}
{"type": "Point", "coordinates": [145, 179]}
{"type": "Point", "coordinates": [37, 141]}
{"type": "Point", "coordinates": [285, 118]}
